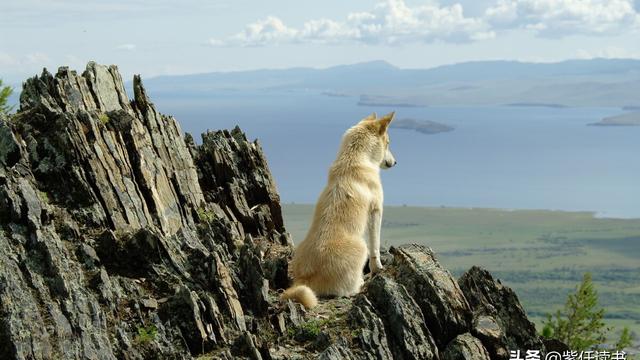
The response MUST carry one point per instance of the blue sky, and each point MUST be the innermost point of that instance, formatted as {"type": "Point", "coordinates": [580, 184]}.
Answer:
{"type": "Point", "coordinates": [169, 37]}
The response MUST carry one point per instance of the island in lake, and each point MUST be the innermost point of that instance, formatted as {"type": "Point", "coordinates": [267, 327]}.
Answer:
{"type": "Point", "coordinates": [421, 126]}
{"type": "Point", "coordinates": [533, 104]}
{"type": "Point", "coordinates": [628, 119]}
{"type": "Point", "coordinates": [387, 101]}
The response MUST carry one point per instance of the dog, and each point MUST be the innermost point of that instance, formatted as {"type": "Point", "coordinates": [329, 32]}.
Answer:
{"type": "Point", "coordinates": [331, 258]}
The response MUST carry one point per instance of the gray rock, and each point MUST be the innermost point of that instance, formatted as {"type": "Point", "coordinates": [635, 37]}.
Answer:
{"type": "Point", "coordinates": [499, 319]}
{"type": "Point", "coordinates": [101, 203]}
{"type": "Point", "coordinates": [465, 347]}
{"type": "Point", "coordinates": [487, 329]}
{"type": "Point", "coordinates": [9, 148]}
{"type": "Point", "coordinates": [443, 305]}
{"type": "Point", "coordinates": [408, 335]}
{"type": "Point", "coordinates": [338, 351]}
{"type": "Point", "coordinates": [369, 330]}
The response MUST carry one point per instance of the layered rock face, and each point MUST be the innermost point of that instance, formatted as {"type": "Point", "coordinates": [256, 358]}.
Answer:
{"type": "Point", "coordinates": [120, 238]}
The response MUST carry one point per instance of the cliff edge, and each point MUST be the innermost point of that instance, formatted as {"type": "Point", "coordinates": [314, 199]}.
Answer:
{"type": "Point", "coordinates": [120, 238]}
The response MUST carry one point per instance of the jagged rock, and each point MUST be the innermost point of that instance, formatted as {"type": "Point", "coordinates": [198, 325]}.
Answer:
{"type": "Point", "coordinates": [246, 346]}
{"type": "Point", "coordinates": [487, 329]}
{"type": "Point", "coordinates": [403, 320]}
{"type": "Point", "coordinates": [9, 148]}
{"type": "Point", "coordinates": [149, 303]}
{"type": "Point", "coordinates": [234, 172]}
{"type": "Point", "coordinates": [443, 305]}
{"type": "Point", "coordinates": [337, 351]}
{"type": "Point", "coordinates": [499, 319]}
{"type": "Point", "coordinates": [120, 238]}
{"type": "Point", "coordinates": [255, 287]}
{"type": "Point", "coordinates": [371, 336]}
{"type": "Point", "coordinates": [555, 345]}
{"type": "Point", "coordinates": [465, 347]}
{"type": "Point", "coordinates": [104, 216]}
{"type": "Point", "coordinates": [186, 310]}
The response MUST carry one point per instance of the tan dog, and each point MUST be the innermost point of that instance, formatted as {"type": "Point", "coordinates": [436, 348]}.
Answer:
{"type": "Point", "coordinates": [331, 258]}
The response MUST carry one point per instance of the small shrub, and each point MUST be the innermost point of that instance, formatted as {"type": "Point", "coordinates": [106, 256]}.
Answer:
{"type": "Point", "coordinates": [44, 196]}
{"type": "Point", "coordinates": [547, 331]}
{"type": "Point", "coordinates": [104, 118]}
{"type": "Point", "coordinates": [307, 331]}
{"type": "Point", "coordinates": [205, 215]}
{"type": "Point", "coordinates": [5, 92]}
{"type": "Point", "coordinates": [146, 334]}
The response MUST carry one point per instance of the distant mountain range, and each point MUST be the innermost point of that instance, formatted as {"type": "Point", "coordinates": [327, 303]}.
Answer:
{"type": "Point", "coordinates": [596, 82]}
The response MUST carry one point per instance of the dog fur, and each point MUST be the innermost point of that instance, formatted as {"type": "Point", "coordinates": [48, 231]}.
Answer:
{"type": "Point", "coordinates": [330, 260]}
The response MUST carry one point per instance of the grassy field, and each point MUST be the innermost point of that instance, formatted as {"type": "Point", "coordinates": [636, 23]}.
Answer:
{"type": "Point", "coordinates": [541, 254]}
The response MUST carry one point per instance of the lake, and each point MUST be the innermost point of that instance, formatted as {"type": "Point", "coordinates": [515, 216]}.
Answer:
{"type": "Point", "coordinates": [497, 157]}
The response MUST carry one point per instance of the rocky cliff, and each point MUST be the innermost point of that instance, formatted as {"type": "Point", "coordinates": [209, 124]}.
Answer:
{"type": "Point", "coordinates": [120, 238]}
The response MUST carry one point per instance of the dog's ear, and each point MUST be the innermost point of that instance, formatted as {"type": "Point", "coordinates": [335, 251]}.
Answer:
{"type": "Point", "coordinates": [385, 121]}
{"type": "Point", "coordinates": [371, 117]}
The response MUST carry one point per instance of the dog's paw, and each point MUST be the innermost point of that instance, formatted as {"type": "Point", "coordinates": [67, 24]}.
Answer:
{"type": "Point", "coordinates": [375, 265]}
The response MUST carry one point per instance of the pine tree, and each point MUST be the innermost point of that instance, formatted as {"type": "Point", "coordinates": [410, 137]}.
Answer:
{"type": "Point", "coordinates": [5, 92]}
{"type": "Point", "coordinates": [625, 339]}
{"type": "Point", "coordinates": [579, 324]}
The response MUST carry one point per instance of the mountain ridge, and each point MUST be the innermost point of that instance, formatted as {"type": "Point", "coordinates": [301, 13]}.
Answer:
{"type": "Point", "coordinates": [596, 82]}
{"type": "Point", "coordinates": [568, 65]}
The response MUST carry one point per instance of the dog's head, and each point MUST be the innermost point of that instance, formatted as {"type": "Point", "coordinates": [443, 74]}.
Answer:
{"type": "Point", "coordinates": [379, 150]}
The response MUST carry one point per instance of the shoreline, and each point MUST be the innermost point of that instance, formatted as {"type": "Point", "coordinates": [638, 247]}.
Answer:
{"type": "Point", "coordinates": [594, 214]}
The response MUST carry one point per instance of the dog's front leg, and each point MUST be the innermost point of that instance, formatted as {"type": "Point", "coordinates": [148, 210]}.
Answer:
{"type": "Point", "coordinates": [375, 222]}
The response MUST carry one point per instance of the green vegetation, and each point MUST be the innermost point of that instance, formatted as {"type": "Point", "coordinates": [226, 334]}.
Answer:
{"type": "Point", "coordinates": [580, 323]}
{"type": "Point", "coordinates": [625, 339]}
{"type": "Point", "coordinates": [540, 254]}
{"type": "Point", "coordinates": [307, 331]}
{"type": "Point", "coordinates": [146, 334]}
{"type": "Point", "coordinates": [206, 215]}
{"type": "Point", "coordinates": [5, 92]}
{"type": "Point", "coordinates": [44, 196]}
{"type": "Point", "coordinates": [104, 118]}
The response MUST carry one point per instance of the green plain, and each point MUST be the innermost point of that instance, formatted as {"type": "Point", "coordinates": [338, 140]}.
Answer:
{"type": "Point", "coordinates": [541, 254]}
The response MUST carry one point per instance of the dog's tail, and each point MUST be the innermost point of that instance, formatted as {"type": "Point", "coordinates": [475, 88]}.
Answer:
{"type": "Point", "coordinates": [302, 294]}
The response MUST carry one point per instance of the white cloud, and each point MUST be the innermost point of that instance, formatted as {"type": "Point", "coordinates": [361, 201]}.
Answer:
{"type": "Point", "coordinates": [558, 18]}
{"type": "Point", "coordinates": [16, 67]}
{"type": "Point", "coordinates": [126, 47]}
{"type": "Point", "coordinates": [269, 30]}
{"type": "Point", "coordinates": [12, 61]}
{"type": "Point", "coordinates": [390, 22]}
{"type": "Point", "coordinates": [393, 22]}
{"type": "Point", "coordinates": [37, 58]}
{"type": "Point", "coordinates": [7, 60]}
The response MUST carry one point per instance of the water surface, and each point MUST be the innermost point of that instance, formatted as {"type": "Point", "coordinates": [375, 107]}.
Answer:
{"type": "Point", "coordinates": [497, 157]}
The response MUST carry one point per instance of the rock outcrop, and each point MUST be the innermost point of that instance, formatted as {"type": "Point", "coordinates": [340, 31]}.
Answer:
{"type": "Point", "coordinates": [121, 238]}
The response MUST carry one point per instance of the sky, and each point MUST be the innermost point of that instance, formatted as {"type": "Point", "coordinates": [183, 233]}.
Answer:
{"type": "Point", "coordinates": [163, 37]}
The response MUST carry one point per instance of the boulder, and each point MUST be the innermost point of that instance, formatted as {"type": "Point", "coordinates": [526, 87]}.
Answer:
{"type": "Point", "coordinates": [499, 319]}
{"type": "Point", "coordinates": [465, 347]}
{"type": "Point", "coordinates": [443, 305]}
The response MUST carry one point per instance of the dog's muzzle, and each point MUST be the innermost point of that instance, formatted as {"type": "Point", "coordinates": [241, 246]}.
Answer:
{"type": "Point", "coordinates": [388, 161]}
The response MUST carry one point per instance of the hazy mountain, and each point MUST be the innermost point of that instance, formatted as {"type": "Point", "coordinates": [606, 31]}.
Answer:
{"type": "Point", "coordinates": [597, 82]}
